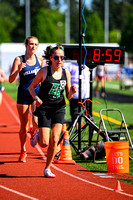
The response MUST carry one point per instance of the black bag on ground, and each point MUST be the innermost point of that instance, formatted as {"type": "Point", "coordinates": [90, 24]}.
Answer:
{"type": "Point", "coordinates": [88, 153]}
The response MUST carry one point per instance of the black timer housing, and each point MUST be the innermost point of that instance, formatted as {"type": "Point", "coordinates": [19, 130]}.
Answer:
{"type": "Point", "coordinates": [96, 54]}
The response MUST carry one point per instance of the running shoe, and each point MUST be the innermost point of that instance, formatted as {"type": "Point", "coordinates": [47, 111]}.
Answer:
{"type": "Point", "coordinates": [34, 138]}
{"type": "Point", "coordinates": [48, 173]}
{"type": "Point", "coordinates": [22, 157]}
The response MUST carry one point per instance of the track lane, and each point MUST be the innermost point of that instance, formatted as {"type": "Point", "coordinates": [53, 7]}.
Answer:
{"type": "Point", "coordinates": [71, 182]}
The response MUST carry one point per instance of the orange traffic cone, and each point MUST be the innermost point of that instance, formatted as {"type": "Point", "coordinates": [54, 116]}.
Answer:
{"type": "Point", "coordinates": [64, 128]}
{"type": "Point", "coordinates": [66, 153]}
{"type": "Point", "coordinates": [118, 187]}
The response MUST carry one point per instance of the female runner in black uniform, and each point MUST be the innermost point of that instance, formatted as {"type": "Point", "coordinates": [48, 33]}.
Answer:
{"type": "Point", "coordinates": [50, 101]}
{"type": "Point", "coordinates": [27, 67]}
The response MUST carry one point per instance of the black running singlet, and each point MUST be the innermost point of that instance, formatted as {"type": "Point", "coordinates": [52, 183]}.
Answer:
{"type": "Point", "coordinates": [52, 91]}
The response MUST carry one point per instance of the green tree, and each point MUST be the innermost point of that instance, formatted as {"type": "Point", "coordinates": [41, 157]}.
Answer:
{"type": "Point", "coordinates": [94, 31]}
{"type": "Point", "coordinates": [4, 35]}
{"type": "Point", "coordinates": [114, 36]}
{"type": "Point", "coordinates": [47, 27]}
{"type": "Point", "coordinates": [13, 16]}
{"type": "Point", "coordinates": [127, 35]}
{"type": "Point", "coordinates": [8, 21]}
{"type": "Point", "coordinates": [118, 12]}
{"type": "Point", "coordinates": [36, 5]}
{"type": "Point", "coordinates": [74, 21]}
{"type": "Point", "coordinates": [18, 34]}
{"type": "Point", "coordinates": [74, 17]}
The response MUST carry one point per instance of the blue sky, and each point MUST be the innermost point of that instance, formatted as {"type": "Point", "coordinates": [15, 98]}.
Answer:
{"type": "Point", "coordinates": [87, 3]}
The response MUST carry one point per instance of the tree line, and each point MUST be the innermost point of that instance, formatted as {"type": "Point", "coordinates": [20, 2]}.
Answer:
{"type": "Point", "coordinates": [48, 21]}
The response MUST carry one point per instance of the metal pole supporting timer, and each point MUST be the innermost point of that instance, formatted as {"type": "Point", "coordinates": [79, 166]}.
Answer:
{"type": "Point", "coordinates": [27, 18]}
{"type": "Point", "coordinates": [91, 95]}
{"type": "Point", "coordinates": [80, 75]}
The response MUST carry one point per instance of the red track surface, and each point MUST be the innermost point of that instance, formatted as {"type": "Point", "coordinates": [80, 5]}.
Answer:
{"type": "Point", "coordinates": [26, 181]}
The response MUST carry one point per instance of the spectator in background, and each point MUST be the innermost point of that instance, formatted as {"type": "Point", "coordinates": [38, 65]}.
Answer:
{"type": "Point", "coordinates": [73, 68]}
{"type": "Point", "coordinates": [101, 72]}
{"type": "Point", "coordinates": [26, 66]}
{"type": "Point", "coordinates": [130, 64]}
{"type": "Point", "coordinates": [3, 78]}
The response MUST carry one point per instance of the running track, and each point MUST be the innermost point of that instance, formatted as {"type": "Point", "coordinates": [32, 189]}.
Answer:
{"type": "Point", "coordinates": [26, 181]}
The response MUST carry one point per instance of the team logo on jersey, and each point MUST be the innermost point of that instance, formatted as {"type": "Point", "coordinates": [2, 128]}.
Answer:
{"type": "Point", "coordinates": [62, 84]}
{"type": "Point", "coordinates": [34, 71]}
{"type": "Point", "coordinates": [57, 88]}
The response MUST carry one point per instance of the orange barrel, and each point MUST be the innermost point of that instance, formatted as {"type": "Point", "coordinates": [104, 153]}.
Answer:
{"type": "Point", "coordinates": [117, 156]}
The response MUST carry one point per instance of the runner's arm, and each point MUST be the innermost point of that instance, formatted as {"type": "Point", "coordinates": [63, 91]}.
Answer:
{"type": "Point", "coordinates": [16, 68]}
{"type": "Point", "coordinates": [70, 90]}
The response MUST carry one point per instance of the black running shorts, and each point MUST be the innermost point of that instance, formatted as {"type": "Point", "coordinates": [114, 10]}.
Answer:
{"type": "Point", "coordinates": [50, 117]}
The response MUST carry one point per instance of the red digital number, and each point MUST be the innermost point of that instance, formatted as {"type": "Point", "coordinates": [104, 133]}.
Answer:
{"type": "Point", "coordinates": [96, 55]}
{"type": "Point", "coordinates": [89, 56]}
{"type": "Point", "coordinates": [109, 54]}
{"type": "Point", "coordinates": [75, 54]}
{"type": "Point", "coordinates": [117, 55]}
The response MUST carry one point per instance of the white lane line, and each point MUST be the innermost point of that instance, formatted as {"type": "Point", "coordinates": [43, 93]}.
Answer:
{"type": "Point", "coordinates": [81, 179]}
{"type": "Point", "coordinates": [6, 156]}
{"type": "Point", "coordinates": [103, 175]}
{"type": "Point", "coordinates": [106, 176]}
{"type": "Point", "coordinates": [11, 110]}
{"type": "Point", "coordinates": [76, 177]}
{"type": "Point", "coordinates": [19, 193]}
{"type": "Point", "coordinates": [99, 174]}
{"type": "Point", "coordinates": [92, 183]}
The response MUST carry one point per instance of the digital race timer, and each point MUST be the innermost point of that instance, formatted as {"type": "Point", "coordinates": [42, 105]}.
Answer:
{"type": "Point", "coordinates": [96, 54]}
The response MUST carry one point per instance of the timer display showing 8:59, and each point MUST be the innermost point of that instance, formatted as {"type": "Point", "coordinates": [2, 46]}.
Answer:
{"type": "Point", "coordinates": [97, 55]}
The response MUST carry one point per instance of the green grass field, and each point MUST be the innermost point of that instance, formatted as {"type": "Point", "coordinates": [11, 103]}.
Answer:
{"type": "Point", "coordinates": [125, 108]}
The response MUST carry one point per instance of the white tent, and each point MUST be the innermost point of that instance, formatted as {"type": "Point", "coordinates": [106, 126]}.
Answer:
{"type": "Point", "coordinates": [8, 52]}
